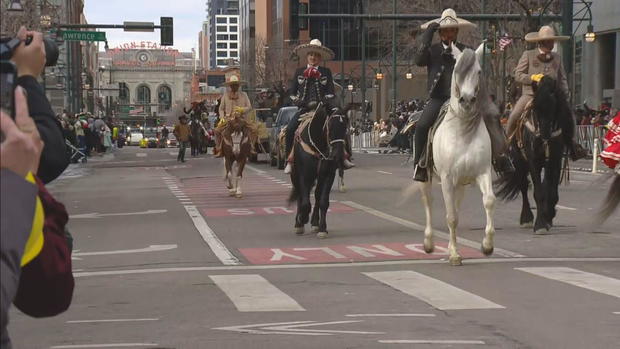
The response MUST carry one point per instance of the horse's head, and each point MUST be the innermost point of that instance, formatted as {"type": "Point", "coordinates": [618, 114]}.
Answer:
{"type": "Point", "coordinates": [337, 125]}
{"type": "Point", "coordinates": [547, 104]}
{"type": "Point", "coordinates": [466, 78]}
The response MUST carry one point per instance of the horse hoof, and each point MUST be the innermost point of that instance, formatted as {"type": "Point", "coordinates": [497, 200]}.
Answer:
{"type": "Point", "coordinates": [231, 192]}
{"type": "Point", "coordinates": [429, 247]}
{"type": "Point", "coordinates": [299, 230]}
{"type": "Point", "coordinates": [315, 229]}
{"type": "Point", "coordinates": [541, 231]}
{"type": "Point", "coordinates": [456, 261]}
{"type": "Point", "coordinates": [238, 195]}
{"type": "Point", "coordinates": [342, 189]}
{"type": "Point", "coordinates": [527, 225]}
{"type": "Point", "coordinates": [487, 251]}
{"type": "Point", "coordinates": [321, 234]}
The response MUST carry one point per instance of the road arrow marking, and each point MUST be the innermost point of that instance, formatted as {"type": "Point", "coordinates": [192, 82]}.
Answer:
{"type": "Point", "coordinates": [293, 328]}
{"type": "Point", "coordinates": [99, 215]}
{"type": "Point", "coordinates": [152, 248]}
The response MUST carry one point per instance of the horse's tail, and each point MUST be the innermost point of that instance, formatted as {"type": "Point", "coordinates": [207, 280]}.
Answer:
{"type": "Point", "coordinates": [611, 201]}
{"type": "Point", "coordinates": [508, 185]}
{"type": "Point", "coordinates": [410, 191]}
{"type": "Point", "coordinates": [294, 194]}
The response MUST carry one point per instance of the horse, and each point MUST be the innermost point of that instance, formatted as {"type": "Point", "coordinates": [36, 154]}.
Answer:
{"type": "Point", "coordinates": [318, 153]}
{"type": "Point", "coordinates": [351, 116]}
{"type": "Point", "coordinates": [197, 134]}
{"type": "Point", "coordinates": [537, 149]}
{"type": "Point", "coordinates": [236, 148]}
{"type": "Point", "coordinates": [461, 150]}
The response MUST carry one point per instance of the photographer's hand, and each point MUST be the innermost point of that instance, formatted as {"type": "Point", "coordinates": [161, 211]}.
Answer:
{"type": "Point", "coordinates": [29, 59]}
{"type": "Point", "coordinates": [21, 149]}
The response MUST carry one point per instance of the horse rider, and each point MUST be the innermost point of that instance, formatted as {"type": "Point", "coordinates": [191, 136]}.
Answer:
{"type": "Point", "coordinates": [310, 85]}
{"type": "Point", "coordinates": [233, 97]}
{"type": "Point", "coordinates": [439, 63]}
{"type": "Point", "coordinates": [532, 66]}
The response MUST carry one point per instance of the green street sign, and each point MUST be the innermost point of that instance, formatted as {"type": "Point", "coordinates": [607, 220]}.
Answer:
{"type": "Point", "coordinates": [76, 35]}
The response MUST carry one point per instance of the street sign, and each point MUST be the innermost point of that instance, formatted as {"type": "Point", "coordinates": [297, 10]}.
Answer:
{"type": "Point", "coordinates": [139, 26]}
{"type": "Point", "coordinates": [76, 35]}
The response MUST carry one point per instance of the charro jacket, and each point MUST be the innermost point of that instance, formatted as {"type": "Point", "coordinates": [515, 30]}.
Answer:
{"type": "Point", "coordinates": [530, 64]}
{"type": "Point", "coordinates": [304, 90]}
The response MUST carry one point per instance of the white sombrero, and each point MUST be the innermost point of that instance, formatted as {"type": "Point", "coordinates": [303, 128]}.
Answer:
{"type": "Point", "coordinates": [314, 46]}
{"type": "Point", "coordinates": [545, 33]}
{"type": "Point", "coordinates": [234, 79]}
{"type": "Point", "coordinates": [449, 20]}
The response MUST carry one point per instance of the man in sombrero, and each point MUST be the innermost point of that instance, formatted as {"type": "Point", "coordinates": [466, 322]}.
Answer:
{"type": "Point", "coordinates": [310, 85]}
{"type": "Point", "coordinates": [232, 100]}
{"type": "Point", "coordinates": [532, 66]}
{"type": "Point", "coordinates": [439, 62]}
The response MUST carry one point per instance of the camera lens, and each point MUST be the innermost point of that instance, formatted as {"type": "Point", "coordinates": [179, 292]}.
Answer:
{"type": "Point", "coordinates": [51, 52]}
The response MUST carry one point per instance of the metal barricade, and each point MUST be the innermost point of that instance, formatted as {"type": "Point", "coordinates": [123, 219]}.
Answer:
{"type": "Point", "coordinates": [587, 135]}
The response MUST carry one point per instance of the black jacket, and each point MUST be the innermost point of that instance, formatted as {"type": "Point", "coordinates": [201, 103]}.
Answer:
{"type": "Point", "coordinates": [303, 90]}
{"type": "Point", "coordinates": [439, 64]}
{"type": "Point", "coordinates": [54, 159]}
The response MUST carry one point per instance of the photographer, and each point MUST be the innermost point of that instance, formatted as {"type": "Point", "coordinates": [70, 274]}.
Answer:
{"type": "Point", "coordinates": [30, 61]}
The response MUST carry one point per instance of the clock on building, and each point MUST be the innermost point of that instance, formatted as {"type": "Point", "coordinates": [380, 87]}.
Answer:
{"type": "Point", "coordinates": [143, 57]}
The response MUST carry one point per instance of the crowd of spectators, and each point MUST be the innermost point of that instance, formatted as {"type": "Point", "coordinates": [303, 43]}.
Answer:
{"type": "Point", "coordinates": [92, 135]}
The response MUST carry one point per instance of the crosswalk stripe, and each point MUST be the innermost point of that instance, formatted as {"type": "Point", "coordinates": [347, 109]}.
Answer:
{"type": "Point", "coordinates": [594, 282]}
{"type": "Point", "coordinates": [252, 292]}
{"type": "Point", "coordinates": [437, 293]}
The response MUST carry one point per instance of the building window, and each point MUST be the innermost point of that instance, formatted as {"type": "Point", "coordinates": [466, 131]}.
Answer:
{"type": "Point", "coordinates": [123, 94]}
{"type": "Point", "coordinates": [164, 98]}
{"type": "Point", "coordinates": [222, 37]}
{"type": "Point", "coordinates": [233, 53]}
{"type": "Point", "coordinates": [144, 97]}
{"type": "Point", "coordinates": [222, 54]}
{"type": "Point", "coordinates": [232, 29]}
{"type": "Point", "coordinates": [233, 20]}
{"type": "Point", "coordinates": [233, 45]}
{"type": "Point", "coordinates": [222, 62]}
{"type": "Point", "coordinates": [221, 28]}
{"type": "Point", "coordinates": [233, 37]}
{"type": "Point", "coordinates": [222, 45]}
{"type": "Point", "coordinates": [221, 19]}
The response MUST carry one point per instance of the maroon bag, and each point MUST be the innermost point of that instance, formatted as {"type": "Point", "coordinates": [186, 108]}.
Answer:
{"type": "Point", "coordinates": [46, 283]}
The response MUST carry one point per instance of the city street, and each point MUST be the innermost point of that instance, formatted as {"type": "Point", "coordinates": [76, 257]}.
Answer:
{"type": "Point", "coordinates": [164, 258]}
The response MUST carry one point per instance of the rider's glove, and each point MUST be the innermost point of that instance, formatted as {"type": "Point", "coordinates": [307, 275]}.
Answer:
{"type": "Point", "coordinates": [537, 77]}
{"type": "Point", "coordinates": [427, 37]}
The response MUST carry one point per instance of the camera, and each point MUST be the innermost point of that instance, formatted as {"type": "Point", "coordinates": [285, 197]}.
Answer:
{"type": "Point", "coordinates": [8, 46]}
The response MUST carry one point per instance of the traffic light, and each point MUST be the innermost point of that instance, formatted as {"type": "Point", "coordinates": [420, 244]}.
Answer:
{"type": "Point", "coordinates": [166, 31]}
{"type": "Point", "coordinates": [296, 23]}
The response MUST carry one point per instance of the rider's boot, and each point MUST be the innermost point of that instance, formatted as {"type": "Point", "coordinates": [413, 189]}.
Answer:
{"type": "Point", "coordinates": [420, 174]}
{"type": "Point", "coordinates": [289, 168]}
{"type": "Point", "coordinates": [503, 164]}
{"type": "Point", "coordinates": [348, 164]}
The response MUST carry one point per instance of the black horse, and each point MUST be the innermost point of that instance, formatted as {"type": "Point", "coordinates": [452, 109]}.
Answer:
{"type": "Point", "coordinates": [537, 149]}
{"type": "Point", "coordinates": [317, 155]}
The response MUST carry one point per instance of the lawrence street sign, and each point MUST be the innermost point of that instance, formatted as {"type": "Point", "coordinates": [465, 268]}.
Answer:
{"type": "Point", "coordinates": [76, 35]}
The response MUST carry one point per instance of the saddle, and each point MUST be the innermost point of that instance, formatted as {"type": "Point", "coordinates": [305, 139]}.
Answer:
{"type": "Point", "coordinates": [426, 159]}
{"type": "Point", "coordinates": [527, 121]}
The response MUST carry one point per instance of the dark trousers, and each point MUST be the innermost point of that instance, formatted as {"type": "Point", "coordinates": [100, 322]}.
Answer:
{"type": "Point", "coordinates": [182, 147]}
{"type": "Point", "coordinates": [291, 128]}
{"type": "Point", "coordinates": [427, 119]}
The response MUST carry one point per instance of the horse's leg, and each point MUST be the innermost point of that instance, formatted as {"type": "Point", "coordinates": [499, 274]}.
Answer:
{"type": "Point", "coordinates": [539, 196]}
{"type": "Point", "coordinates": [555, 171]}
{"type": "Point", "coordinates": [488, 201]}
{"type": "Point", "coordinates": [527, 218]}
{"type": "Point", "coordinates": [240, 167]}
{"type": "Point", "coordinates": [451, 218]}
{"type": "Point", "coordinates": [314, 221]}
{"type": "Point", "coordinates": [327, 180]}
{"type": "Point", "coordinates": [427, 199]}
{"type": "Point", "coordinates": [341, 187]}
{"type": "Point", "coordinates": [228, 166]}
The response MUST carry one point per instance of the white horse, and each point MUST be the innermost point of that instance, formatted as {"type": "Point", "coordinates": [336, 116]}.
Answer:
{"type": "Point", "coordinates": [462, 152]}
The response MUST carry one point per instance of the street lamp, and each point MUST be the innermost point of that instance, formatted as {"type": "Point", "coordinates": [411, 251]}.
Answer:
{"type": "Point", "coordinates": [350, 87]}
{"type": "Point", "coordinates": [409, 75]}
{"type": "Point", "coordinates": [590, 35]}
{"type": "Point", "coordinates": [379, 75]}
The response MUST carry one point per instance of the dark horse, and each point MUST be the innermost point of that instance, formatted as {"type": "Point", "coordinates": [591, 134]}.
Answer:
{"type": "Point", "coordinates": [318, 153]}
{"type": "Point", "coordinates": [537, 146]}
{"type": "Point", "coordinates": [196, 128]}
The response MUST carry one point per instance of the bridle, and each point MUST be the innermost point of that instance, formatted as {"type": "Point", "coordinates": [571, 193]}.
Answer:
{"type": "Point", "coordinates": [316, 151]}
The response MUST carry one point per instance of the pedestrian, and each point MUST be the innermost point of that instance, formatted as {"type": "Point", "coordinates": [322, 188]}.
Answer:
{"type": "Point", "coordinates": [532, 66]}
{"type": "Point", "coordinates": [79, 134]}
{"type": "Point", "coordinates": [439, 62]}
{"type": "Point", "coordinates": [182, 133]}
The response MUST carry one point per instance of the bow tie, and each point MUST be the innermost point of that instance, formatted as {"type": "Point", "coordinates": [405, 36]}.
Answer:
{"type": "Point", "coordinates": [545, 57]}
{"type": "Point", "coordinates": [312, 72]}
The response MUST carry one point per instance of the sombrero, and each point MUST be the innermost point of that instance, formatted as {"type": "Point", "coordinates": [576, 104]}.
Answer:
{"type": "Point", "coordinates": [234, 79]}
{"type": "Point", "coordinates": [314, 46]}
{"type": "Point", "coordinates": [449, 19]}
{"type": "Point", "coordinates": [544, 33]}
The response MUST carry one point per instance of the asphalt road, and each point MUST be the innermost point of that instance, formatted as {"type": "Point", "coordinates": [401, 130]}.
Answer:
{"type": "Point", "coordinates": [165, 259]}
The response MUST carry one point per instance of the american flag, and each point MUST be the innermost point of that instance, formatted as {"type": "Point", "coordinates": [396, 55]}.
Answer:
{"type": "Point", "coordinates": [504, 41]}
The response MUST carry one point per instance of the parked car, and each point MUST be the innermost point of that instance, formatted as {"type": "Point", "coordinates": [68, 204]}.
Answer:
{"type": "Point", "coordinates": [134, 138]}
{"type": "Point", "coordinates": [172, 141]}
{"type": "Point", "coordinates": [277, 150]}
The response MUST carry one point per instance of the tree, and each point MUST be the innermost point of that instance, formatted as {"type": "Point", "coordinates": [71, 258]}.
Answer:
{"type": "Point", "coordinates": [273, 65]}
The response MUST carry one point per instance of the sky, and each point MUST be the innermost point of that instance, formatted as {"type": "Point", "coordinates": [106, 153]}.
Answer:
{"type": "Point", "coordinates": [188, 17]}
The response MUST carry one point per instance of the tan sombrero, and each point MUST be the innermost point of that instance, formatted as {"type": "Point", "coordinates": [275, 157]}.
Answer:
{"type": "Point", "coordinates": [233, 80]}
{"type": "Point", "coordinates": [314, 46]}
{"type": "Point", "coordinates": [449, 19]}
{"type": "Point", "coordinates": [545, 33]}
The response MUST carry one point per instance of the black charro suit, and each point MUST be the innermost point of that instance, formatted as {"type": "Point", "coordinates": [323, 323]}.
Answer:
{"type": "Point", "coordinates": [304, 92]}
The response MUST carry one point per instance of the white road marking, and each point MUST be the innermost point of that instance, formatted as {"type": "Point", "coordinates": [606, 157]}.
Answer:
{"type": "Point", "coordinates": [152, 248]}
{"type": "Point", "coordinates": [342, 265]}
{"type": "Point", "coordinates": [565, 208]}
{"type": "Point", "coordinates": [617, 312]}
{"type": "Point", "coordinates": [438, 294]}
{"type": "Point", "coordinates": [208, 235]}
{"type": "Point", "coordinates": [252, 292]}
{"type": "Point", "coordinates": [293, 328]}
{"type": "Point", "coordinates": [385, 172]}
{"type": "Point", "coordinates": [111, 345]}
{"type": "Point", "coordinates": [429, 341]}
{"type": "Point", "coordinates": [99, 215]}
{"type": "Point", "coordinates": [594, 282]}
{"type": "Point", "coordinates": [110, 320]}
{"type": "Point", "coordinates": [141, 155]}
{"type": "Point", "coordinates": [473, 244]}
{"type": "Point", "coordinates": [390, 315]}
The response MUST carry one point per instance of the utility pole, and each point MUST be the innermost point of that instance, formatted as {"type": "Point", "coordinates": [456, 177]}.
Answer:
{"type": "Point", "coordinates": [394, 77]}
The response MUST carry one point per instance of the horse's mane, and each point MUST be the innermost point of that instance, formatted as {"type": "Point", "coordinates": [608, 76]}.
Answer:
{"type": "Point", "coordinates": [483, 106]}
{"type": "Point", "coordinates": [550, 105]}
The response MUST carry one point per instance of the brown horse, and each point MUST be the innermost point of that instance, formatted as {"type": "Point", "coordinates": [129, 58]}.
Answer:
{"type": "Point", "coordinates": [236, 147]}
